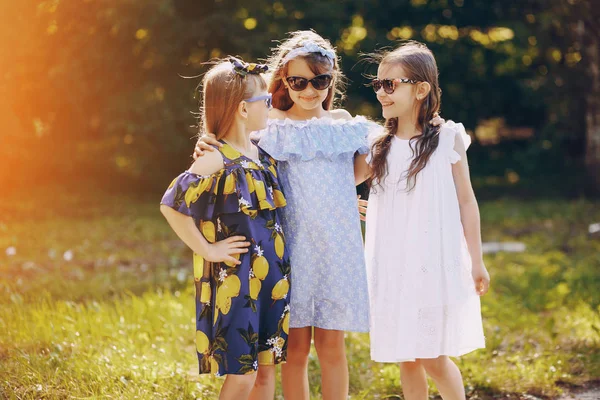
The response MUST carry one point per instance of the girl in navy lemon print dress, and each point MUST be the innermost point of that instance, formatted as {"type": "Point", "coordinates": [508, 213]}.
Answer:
{"type": "Point", "coordinates": [226, 209]}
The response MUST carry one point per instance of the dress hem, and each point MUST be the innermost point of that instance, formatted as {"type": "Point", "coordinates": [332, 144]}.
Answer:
{"type": "Point", "coordinates": [329, 328]}
{"type": "Point", "coordinates": [448, 354]}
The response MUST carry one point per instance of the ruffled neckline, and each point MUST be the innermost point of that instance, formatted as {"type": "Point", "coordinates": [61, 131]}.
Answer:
{"type": "Point", "coordinates": [325, 137]}
{"type": "Point", "coordinates": [359, 119]}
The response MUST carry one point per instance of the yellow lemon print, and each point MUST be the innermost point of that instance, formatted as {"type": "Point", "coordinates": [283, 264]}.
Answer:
{"type": "Point", "coordinates": [231, 263]}
{"type": "Point", "coordinates": [172, 183]}
{"type": "Point", "coordinates": [191, 195]}
{"type": "Point", "coordinates": [280, 290]}
{"type": "Point", "coordinates": [205, 293]}
{"type": "Point", "coordinates": [280, 342]}
{"type": "Point", "coordinates": [279, 247]}
{"type": "Point", "coordinates": [198, 267]}
{"type": "Point", "coordinates": [231, 286]}
{"type": "Point", "coordinates": [255, 286]}
{"type": "Point", "coordinates": [224, 305]}
{"type": "Point", "coordinates": [250, 181]}
{"type": "Point", "coordinates": [251, 213]}
{"type": "Point", "coordinates": [230, 152]}
{"type": "Point", "coordinates": [278, 197]}
{"type": "Point", "coordinates": [208, 230]}
{"type": "Point", "coordinates": [214, 365]}
{"type": "Point", "coordinates": [202, 342]}
{"type": "Point", "coordinates": [194, 192]}
{"type": "Point", "coordinates": [204, 185]}
{"type": "Point", "coordinates": [229, 187]}
{"type": "Point", "coordinates": [266, 358]}
{"type": "Point", "coordinates": [260, 267]}
{"type": "Point", "coordinates": [259, 186]}
{"type": "Point", "coordinates": [273, 170]}
{"type": "Point", "coordinates": [286, 323]}
{"type": "Point", "coordinates": [223, 301]}
{"type": "Point", "coordinates": [264, 204]}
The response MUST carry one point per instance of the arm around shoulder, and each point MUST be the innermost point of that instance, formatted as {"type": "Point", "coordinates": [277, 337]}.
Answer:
{"type": "Point", "coordinates": [340, 113]}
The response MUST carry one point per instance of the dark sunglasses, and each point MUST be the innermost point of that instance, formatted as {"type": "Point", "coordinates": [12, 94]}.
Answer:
{"type": "Point", "coordinates": [389, 85]}
{"type": "Point", "coordinates": [319, 82]}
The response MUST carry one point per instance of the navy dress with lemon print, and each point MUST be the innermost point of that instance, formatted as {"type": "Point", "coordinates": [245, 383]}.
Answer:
{"type": "Point", "coordinates": [242, 314]}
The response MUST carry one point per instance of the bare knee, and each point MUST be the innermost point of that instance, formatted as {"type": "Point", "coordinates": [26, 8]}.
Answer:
{"type": "Point", "coordinates": [239, 384]}
{"type": "Point", "coordinates": [436, 367]}
{"type": "Point", "coordinates": [298, 350]}
{"type": "Point", "coordinates": [410, 367]}
{"type": "Point", "coordinates": [298, 346]}
{"type": "Point", "coordinates": [265, 375]}
{"type": "Point", "coordinates": [330, 346]}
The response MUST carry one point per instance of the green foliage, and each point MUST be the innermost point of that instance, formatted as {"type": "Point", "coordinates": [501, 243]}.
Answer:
{"type": "Point", "coordinates": [94, 90]}
{"type": "Point", "coordinates": [96, 300]}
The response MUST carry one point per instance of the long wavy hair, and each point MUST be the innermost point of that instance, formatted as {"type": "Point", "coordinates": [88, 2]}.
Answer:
{"type": "Point", "coordinates": [317, 63]}
{"type": "Point", "coordinates": [419, 64]}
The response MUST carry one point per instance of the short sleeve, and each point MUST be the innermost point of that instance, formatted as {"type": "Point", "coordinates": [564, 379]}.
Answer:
{"type": "Point", "coordinates": [375, 133]}
{"type": "Point", "coordinates": [228, 191]}
{"type": "Point", "coordinates": [192, 195]}
{"type": "Point", "coordinates": [448, 133]}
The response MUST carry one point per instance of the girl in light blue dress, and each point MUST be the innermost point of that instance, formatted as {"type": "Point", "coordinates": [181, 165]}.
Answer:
{"type": "Point", "coordinates": [316, 148]}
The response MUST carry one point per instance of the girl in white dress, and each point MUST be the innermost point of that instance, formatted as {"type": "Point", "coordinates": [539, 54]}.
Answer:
{"type": "Point", "coordinates": [423, 241]}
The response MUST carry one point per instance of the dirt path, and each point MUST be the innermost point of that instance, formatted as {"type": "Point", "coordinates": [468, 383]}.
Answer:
{"type": "Point", "coordinates": [587, 394]}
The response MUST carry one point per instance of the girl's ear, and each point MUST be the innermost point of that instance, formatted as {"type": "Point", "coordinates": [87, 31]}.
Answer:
{"type": "Point", "coordinates": [423, 89]}
{"type": "Point", "coordinates": [242, 110]}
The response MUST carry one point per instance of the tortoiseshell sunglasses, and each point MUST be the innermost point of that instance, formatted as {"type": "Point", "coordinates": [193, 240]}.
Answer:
{"type": "Point", "coordinates": [389, 85]}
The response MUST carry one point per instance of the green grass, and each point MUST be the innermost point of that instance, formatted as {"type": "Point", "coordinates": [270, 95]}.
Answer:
{"type": "Point", "coordinates": [117, 320]}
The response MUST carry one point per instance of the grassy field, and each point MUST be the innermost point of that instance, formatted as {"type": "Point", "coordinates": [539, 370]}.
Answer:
{"type": "Point", "coordinates": [96, 301]}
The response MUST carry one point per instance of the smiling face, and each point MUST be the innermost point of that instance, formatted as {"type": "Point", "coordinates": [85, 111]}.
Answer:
{"type": "Point", "coordinates": [402, 102]}
{"type": "Point", "coordinates": [309, 98]}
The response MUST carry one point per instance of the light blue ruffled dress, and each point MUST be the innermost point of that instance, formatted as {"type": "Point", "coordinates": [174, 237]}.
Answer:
{"type": "Point", "coordinates": [316, 165]}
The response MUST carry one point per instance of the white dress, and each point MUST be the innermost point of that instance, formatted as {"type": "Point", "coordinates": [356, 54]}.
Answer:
{"type": "Point", "coordinates": [423, 302]}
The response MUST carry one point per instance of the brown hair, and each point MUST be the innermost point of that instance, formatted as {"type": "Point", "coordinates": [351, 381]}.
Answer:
{"type": "Point", "coordinates": [419, 64]}
{"type": "Point", "coordinates": [222, 91]}
{"type": "Point", "coordinates": [318, 64]}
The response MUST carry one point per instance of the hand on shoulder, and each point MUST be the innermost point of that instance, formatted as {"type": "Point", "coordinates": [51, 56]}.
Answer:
{"type": "Point", "coordinates": [211, 162]}
{"type": "Point", "coordinates": [340, 113]}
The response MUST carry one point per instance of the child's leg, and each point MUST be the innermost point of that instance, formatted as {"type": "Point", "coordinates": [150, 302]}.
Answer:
{"type": "Point", "coordinates": [264, 386]}
{"type": "Point", "coordinates": [237, 387]}
{"type": "Point", "coordinates": [294, 373]}
{"type": "Point", "coordinates": [446, 376]}
{"type": "Point", "coordinates": [414, 380]}
{"type": "Point", "coordinates": [331, 349]}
